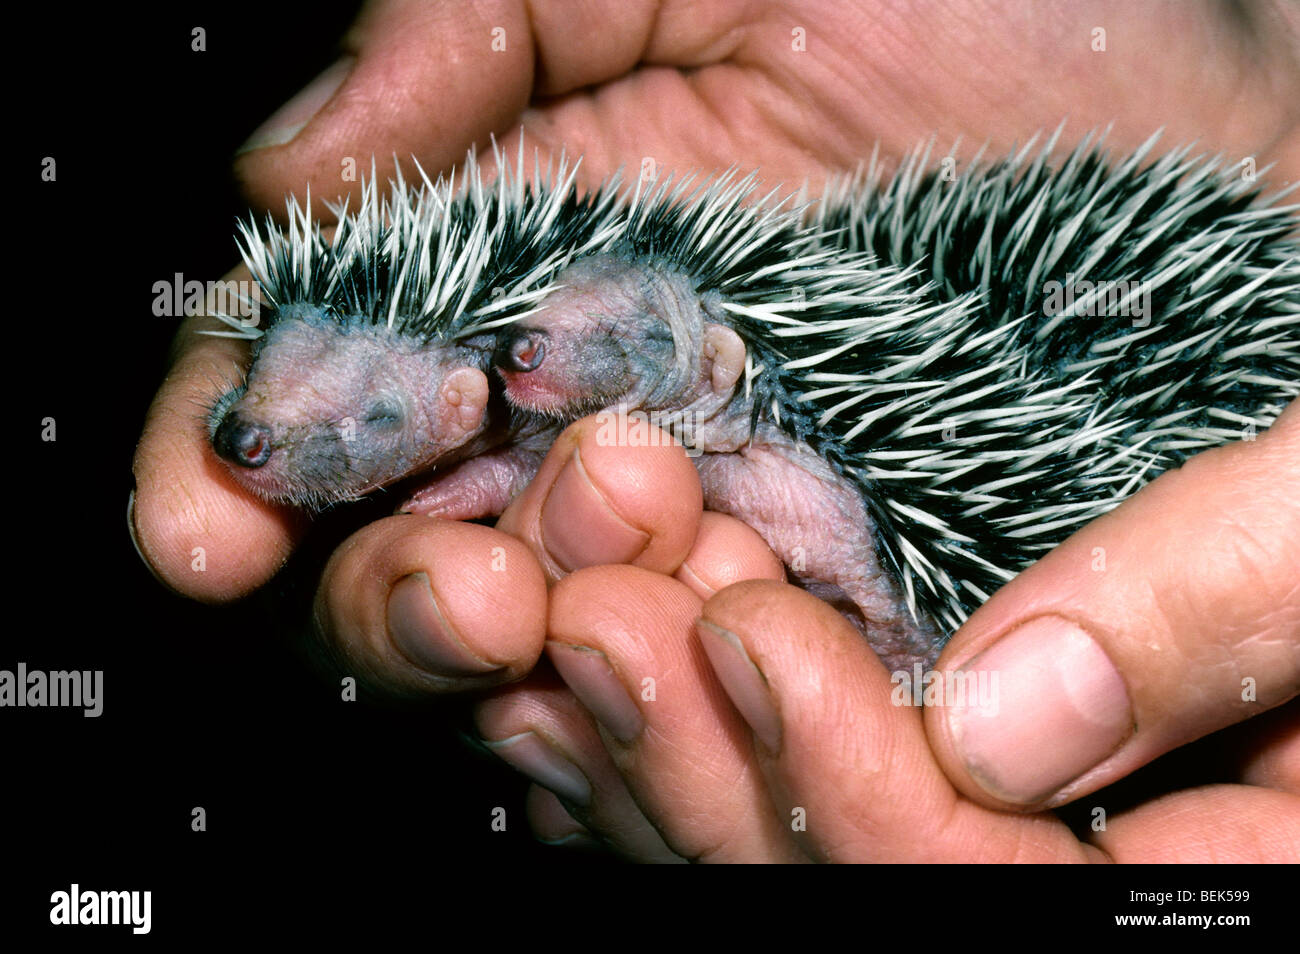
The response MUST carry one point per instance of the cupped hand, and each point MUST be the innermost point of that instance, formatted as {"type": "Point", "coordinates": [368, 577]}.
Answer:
{"type": "Point", "coordinates": [799, 91]}
{"type": "Point", "coordinates": [750, 722]}
{"type": "Point", "coordinates": [796, 90]}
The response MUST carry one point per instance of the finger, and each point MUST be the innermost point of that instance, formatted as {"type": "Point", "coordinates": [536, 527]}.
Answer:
{"type": "Point", "coordinates": [676, 66]}
{"type": "Point", "coordinates": [1263, 751]}
{"type": "Point", "coordinates": [389, 94]}
{"type": "Point", "coordinates": [781, 88]}
{"type": "Point", "coordinates": [539, 728]}
{"type": "Point", "coordinates": [1174, 615]}
{"type": "Point", "coordinates": [416, 605]}
{"type": "Point", "coordinates": [841, 743]}
{"type": "Point", "coordinates": [726, 551]}
{"type": "Point", "coordinates": [552, 824]}
{"type": "Point", "coordinates": [1213, 824]}
{"type": "Point", "coordinates": [1270, 757]}
{"type": "Point", "coordinates": [623, 640]}
{"type": "Point", "coordinates": [195, 528]}
{"type": "Point", "coordinates": [611, 490]}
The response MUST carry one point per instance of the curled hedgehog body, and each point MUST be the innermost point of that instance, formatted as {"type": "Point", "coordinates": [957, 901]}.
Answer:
{"type": "Point", "coordinates": [911, 390]}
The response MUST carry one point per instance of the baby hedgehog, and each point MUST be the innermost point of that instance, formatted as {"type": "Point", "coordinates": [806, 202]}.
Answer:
{"type": "Point", "coordinates": [910, 391]}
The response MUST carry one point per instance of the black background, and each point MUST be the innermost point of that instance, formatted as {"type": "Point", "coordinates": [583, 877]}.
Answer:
{"type": "Point", "coordinates": [350, 809]}
{"type": "Point", "coordinates": [203, 706]}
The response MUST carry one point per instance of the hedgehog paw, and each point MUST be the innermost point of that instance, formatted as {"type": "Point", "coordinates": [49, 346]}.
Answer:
{"type": "Point", "coordinates": [479, 487]}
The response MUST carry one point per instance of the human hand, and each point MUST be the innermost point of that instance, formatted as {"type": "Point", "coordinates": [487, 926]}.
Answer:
{"type": "Point", "coordinates": [400, 99]}
{"type": "Point", "coordinates": [757, 725]}
{"type": "Point", "coordinates": [798, 90]}
{"type": "Point", "coordinates": [420, 606]}
{"type": "Point", "coordinates": [619, 83]}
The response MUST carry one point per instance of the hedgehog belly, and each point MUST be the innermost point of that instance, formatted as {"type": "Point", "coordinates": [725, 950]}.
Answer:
{"type": "Point", "coordinates": [815, 519]}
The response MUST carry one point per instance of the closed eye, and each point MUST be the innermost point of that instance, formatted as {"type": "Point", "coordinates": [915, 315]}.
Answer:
{"type": "Point", "coordinates": [385, 414]}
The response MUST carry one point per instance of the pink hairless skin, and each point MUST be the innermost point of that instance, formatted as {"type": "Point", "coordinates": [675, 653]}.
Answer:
{"type": "Point", "coordinates": [329, 413]}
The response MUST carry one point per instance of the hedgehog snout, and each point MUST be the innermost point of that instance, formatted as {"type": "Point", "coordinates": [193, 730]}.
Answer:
{"type": "Point", "coordinates": [521, 351]}
{"type": "Point", "coordinates": [242, 441]}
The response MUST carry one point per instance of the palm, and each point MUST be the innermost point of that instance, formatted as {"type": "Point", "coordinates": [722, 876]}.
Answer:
{"type": "Point", "coordinates": [803, 90]}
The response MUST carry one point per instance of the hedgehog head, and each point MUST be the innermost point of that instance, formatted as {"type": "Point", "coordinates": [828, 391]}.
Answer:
{"type": "Point", "coordinates": [620, 332]}
{"type": "Point", "coordinates": [705, 303]}
{"type": "Point", "coordinates": [371, 366]}
{"type": "Point", "coordinates": [330, 411]}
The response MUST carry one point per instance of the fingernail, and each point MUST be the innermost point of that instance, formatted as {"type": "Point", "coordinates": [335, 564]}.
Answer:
{"type": "Point", "coordinates": [551, 815]}
{"type": "Point", "coordinates": [289, 119]}
{"type": "Point", "coordinates": [593, 680]}
{"type": "Point", "coordinates": [545, 766]}
{"type": "Point", "coordinates": [685, 574]}
{"type": "Point", "coordinates": [579, 528]}
{"type": "Point", "coordinates": [135, 538]}
{"type": "Point", "coordinates": [576, 840]}
{"type": "Point", "coordinates": [135, 542]}
{"type": "Point", "coordinates": [422, 634]}
{"type": "Point", "coordinates": [743, 682]}
{"type": "Point", "coordinates": [1056, 707]}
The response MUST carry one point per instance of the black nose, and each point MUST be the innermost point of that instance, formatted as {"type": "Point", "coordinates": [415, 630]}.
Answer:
{"type": "Point", "coordinates": [242, 442]}
{"type": "Point", "coordinates": [521, 351]}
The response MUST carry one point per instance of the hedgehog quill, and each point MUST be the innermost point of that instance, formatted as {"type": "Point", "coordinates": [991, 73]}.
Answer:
{"type": "Point", "coordinates": [912, 390]}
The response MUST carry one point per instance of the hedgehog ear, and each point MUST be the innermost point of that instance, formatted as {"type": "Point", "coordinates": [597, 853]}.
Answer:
{"type": "Point", "coordinates": [463, 395]}
{"type": "Point", "coordinates": [724, 354]}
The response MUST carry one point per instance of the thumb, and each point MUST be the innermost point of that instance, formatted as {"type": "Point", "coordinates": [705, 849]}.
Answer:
{"type": "Point", "coordinates": [431, 80]}
{"type": "Point", "coordinates": [1172, 616]}
{"type": "Point", "coordinates": [612, 489]}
